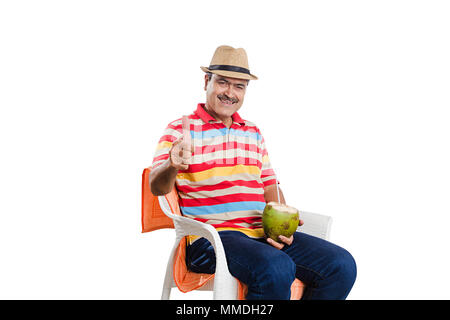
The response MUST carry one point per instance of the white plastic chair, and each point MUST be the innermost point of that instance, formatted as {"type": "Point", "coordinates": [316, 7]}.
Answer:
{"type": "Point", "coordinates": [224, 285]}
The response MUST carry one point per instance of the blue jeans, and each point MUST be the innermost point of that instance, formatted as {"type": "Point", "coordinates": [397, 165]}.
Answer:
{"type": "Point", "coordinates": [327, 270]}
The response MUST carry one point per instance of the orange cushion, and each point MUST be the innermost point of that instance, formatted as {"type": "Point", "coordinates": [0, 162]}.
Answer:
{"type": "Point", "coordinates": [185, 279]}
{"type": "Point", "coordinates": [153, 218]}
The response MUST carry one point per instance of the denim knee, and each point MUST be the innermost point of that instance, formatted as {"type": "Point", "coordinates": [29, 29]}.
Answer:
{"type": "Point", "coordinates": [345, 270]}
{"type": "Point", "coordinates": [275, 277]}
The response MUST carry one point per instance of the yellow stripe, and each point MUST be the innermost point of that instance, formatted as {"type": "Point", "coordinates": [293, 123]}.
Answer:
{"type": "Point", "coordinates": [265, 159]}
{"type": "Point", "coordinates": [164, 144]}
{"type": "Point", "coordinates": [219, 171]}
{"type": "Point", "coordinates": [253, 233]}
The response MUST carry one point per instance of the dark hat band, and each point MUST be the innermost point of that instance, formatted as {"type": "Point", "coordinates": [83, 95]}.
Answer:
{"type": "Point", "coordinates": [225, 67]}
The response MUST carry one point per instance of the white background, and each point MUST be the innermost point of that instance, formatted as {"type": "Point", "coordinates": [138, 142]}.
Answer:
{"type": "Point", "coordinates": [353, 101]}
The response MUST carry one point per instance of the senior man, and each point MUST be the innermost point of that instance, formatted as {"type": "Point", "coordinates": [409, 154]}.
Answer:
{"type": "Point", "coordinates": [224, 177]}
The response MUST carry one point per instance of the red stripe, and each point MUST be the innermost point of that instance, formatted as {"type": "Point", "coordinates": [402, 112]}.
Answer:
{"type": "Point", "coordinates": [231, 162]}
{"type": "Point", "coordinates": [232, 223]}
{"type": "Point", "coordinates": [269, 182]}
{"type": "Point", "coordinates": [209, 126]}
{"type": "Point", "coordinates": [222, 185]}
{"type": "Point", "coordinates": [267, 172]}
{"type": "Point", "coordinates": [194, 127]}
{"type": "Point", "coordinates": [226, 146]}
{"type": "Point", "coordinates": [173, 127]}
{"type": "Point", "coordinates": [203, 127]}
{"type": "Point", "coordinates": [161, 157]}
{"type": "Point", "coordinates": [235, 197]}
{"type": "Point", "coordinates": [215, 126]}
{"type": "Point", "coordinates": [155, 165]}
{"type": "Point", "coordinates": [250, 220]}
{"type": "Point", "coordinates": [167, 137]}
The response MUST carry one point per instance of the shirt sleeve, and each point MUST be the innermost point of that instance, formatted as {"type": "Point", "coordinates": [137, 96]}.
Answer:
{"type": "Point", "coordinates": [172, 132]}
{"type": "Point", "coordinates": [268, 176]}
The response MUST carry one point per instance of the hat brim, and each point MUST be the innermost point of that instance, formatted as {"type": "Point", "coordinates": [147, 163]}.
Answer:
{"type": "Point", "coordinates": [231, 74]}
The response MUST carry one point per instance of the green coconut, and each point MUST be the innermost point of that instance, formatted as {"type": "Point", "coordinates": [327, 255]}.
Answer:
{"type": "Point", "coordinates": [279, 219]}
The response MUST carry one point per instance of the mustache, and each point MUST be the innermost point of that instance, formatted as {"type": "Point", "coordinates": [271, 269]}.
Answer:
{"type": "Point", "coordinates": [225, 97]}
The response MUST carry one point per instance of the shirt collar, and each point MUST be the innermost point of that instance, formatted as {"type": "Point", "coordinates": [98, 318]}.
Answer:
{"type": "Point", "coordinates": [206, 117]}
{"type": "Point", "coordinates": [237, 118]}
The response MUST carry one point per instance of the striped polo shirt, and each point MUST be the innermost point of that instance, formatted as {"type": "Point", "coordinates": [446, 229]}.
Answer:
{"type": "Point", "coordinates": [224, 184]}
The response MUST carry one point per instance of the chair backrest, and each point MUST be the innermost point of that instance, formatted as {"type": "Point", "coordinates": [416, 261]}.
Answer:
{"type": "Point", "coordinates": [152, 216]}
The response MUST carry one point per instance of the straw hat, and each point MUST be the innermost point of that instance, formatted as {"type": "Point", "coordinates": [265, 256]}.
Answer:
{"type": "Point", "coordinates": [230, 62]}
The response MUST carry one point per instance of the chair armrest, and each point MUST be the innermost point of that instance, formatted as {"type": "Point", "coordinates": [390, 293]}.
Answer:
{"type": "Point", "coordinates": [186, 226]}
{"type": "Point", "coordinates": [315, 224]}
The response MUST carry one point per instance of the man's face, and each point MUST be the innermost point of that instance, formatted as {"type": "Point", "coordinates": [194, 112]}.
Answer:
{"type": "Point", "coordinates": [224, 96]}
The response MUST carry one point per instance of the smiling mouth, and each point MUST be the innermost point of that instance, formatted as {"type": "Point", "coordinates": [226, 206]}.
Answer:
{"type": "Point", "coordinates": [227, 101]}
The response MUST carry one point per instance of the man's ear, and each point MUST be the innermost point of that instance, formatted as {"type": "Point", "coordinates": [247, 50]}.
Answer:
{"type": "Point", "coordinates": [206, 80]}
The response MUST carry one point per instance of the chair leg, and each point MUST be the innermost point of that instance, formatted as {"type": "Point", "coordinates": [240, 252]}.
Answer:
{"type": "Point", "coordinates": [168, 279]}
{"type": "Point", "coordinates": [167, 286]}
{"type": "Point", "coordinates": [166, 293]}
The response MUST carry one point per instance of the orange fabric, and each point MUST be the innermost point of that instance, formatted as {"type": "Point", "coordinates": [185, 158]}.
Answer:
{"type": "Point", "coordinates": [153, 218]}
{"type": "Point", "coordinates": [184, 279]}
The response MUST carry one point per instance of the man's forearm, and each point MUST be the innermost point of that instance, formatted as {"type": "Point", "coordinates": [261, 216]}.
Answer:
{"type": "Point", "coordinates": [162, 179]}
{"type": "Point", "coordinates": [271, 194]}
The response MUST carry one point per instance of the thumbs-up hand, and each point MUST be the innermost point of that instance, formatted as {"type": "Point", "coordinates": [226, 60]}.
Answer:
{"type": "Point", "coordinates": [180, 154]}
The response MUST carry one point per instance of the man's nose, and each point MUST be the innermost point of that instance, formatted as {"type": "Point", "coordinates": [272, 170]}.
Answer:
{"type": "Point", "coordinates": [229, 91]}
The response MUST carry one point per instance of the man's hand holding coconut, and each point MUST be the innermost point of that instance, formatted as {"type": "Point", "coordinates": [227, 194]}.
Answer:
{"type": "Point", "coordinates": [280, 221]}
